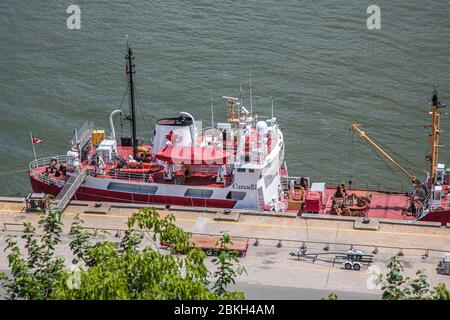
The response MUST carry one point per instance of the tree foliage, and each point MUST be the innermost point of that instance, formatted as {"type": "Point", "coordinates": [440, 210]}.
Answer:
{"type": "Point", "coordinates": [396, 286]}
{"type": "Point", "coordinates": [35, 275]}
{"type": "Point", "coordinates": [126, 269]}
{"type": "Point", "coordinates": [225, 272]}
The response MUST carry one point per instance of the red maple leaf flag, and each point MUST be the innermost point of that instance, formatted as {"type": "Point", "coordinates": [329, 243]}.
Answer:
{"type": "Point", "coordinates": [36, 140]}
{"type": "Point", "coordinates": [171, 136]}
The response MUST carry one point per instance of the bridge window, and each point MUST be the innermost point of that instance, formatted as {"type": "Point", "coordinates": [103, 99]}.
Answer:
{"type": "Point", "coordinates": [198, 193]}
{"type": "Point", "coordinates": [236, 195]}
{"type": "Point", "coordinates": [126, 187]}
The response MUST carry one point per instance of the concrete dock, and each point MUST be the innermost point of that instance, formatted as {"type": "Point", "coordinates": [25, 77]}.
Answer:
{"type": "Point", "coordinates": [271, 272]}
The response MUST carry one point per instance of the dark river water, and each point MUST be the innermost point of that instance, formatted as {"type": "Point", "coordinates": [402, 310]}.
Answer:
{"type": "Point", "coordinates": [318, 59]}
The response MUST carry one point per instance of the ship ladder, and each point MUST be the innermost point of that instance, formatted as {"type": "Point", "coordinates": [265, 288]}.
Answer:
{"type": "Point", "coordinates": [68, 191]}
{"type": "Point", "coordinates": [422, 213]}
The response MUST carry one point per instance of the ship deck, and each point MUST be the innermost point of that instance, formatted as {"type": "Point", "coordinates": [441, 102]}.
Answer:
{"type": "Point", "coordinates": [195, 179]}
{"type": "Point", "coordinates": [382, 205]}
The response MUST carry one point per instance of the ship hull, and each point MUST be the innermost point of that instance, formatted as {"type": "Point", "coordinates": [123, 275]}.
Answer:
{"type": "Point", "coordinates": [101, 195]}
{"type": "Point", "coordinates": [438, 216]}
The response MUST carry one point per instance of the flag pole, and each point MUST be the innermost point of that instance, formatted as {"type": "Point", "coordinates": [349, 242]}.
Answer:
{"type": "Point", "coordinates": [34, 150]}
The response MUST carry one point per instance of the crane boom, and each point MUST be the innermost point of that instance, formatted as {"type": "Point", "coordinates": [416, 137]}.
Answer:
{"type": "Point", "coordinates": [362, 134]}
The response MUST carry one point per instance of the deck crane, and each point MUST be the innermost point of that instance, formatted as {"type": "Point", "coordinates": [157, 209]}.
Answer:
{"type": "Point", "coordinates": [357, 128]}
{"type": "Point", "coordinates": [433, 139]}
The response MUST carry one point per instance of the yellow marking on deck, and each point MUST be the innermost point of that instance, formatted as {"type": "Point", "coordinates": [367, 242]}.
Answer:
{"type": "Point", "coordinates": [260, 225]}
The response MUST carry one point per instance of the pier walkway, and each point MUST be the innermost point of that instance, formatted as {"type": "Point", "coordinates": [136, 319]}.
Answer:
{"type": "Point", "coordinates": [271, 238]}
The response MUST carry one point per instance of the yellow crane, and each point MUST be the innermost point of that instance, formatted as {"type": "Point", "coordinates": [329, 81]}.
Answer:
{"type": "Point", "coordinates": [433, 139]}
{"type": "Point", "coordinates": [362, 134]}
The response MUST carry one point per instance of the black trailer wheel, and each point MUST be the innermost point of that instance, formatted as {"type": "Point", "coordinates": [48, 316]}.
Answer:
{"type": "Point", "coordinates": [356, 266]}
{"type": "Point", "coordinates": [348, 265]}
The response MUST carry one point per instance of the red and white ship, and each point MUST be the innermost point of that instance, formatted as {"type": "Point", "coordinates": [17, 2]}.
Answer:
{"type": "Point", "coordinates": [236, 164]}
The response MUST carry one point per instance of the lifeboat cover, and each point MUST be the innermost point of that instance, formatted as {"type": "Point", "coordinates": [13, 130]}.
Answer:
{"type": "Point", "coordinates": [193, 155]}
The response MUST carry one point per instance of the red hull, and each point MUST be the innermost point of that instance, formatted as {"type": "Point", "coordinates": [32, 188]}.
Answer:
{"type": "Point", "coordinates": [89, 194]}
{"type": "Point", "coordinates": [438, 216]}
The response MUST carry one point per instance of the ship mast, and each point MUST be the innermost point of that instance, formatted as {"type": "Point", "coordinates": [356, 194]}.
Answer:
{"type": "Point", "coordinates": [434, 136]}
{"type": "Point", "coordinates": [129, 58]}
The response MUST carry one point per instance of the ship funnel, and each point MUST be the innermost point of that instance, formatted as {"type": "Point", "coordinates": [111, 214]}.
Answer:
{"type": "Point", "coordinates": [193, 129]}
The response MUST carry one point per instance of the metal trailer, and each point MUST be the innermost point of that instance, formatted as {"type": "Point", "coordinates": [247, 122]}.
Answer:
{"type": "Point", "coordinates": [350, 259]}
{"type": "Point", "coordinates": [354, 261]}
{"type": "Point", "coordinates": [444, 265]}
{"type": "Point", "coordinates": [211, 245]}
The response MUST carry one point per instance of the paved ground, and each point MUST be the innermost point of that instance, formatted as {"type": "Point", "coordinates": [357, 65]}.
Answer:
{"type": "Point", "coordinates": [263, 292]}
{"type": "Point", "coordinates": [271, 272]}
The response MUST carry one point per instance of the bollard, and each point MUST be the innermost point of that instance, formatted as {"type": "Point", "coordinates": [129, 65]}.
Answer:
{"type": "Point", "coordinates": [256, 243]}
{"type": "Point", "coordinates": [425, 255]}
{"type": "Point", "coordinates": [303, 247]}
{"type": "Point", "coordinates": [279, 244]}
{"type": "Point", "coordinates": [400, 253]}
{"type": "Point", "coordinates": [375, 251]}
{"type": "Point", "coordinates": [118, 234]}
{"type": "Point", "coordinates": [327, 247]}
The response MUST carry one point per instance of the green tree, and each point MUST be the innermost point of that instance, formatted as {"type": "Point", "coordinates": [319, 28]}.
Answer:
{"type": "Point", "coordinates": [35, 276]}
{"type": "Point", "coordinates": [396, 286]}
{"type": "Point", "coordinates": [116, 270]}
{"type": "Point", "coordinates": [225, 272]}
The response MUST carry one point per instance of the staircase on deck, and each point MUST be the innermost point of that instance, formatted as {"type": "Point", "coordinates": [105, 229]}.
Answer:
{"type": "Point", "coordinates": [79, 141]}
{"type": "Point", "coordinates": [83, 135]}
{"type": "Point", "coordinates": [68, 191]}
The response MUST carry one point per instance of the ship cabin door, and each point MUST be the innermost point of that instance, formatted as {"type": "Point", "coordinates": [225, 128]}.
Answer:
{"type": "Point", "coordinates": [440, 171]}
{"type": "Point", "coordinates": [436, 195]}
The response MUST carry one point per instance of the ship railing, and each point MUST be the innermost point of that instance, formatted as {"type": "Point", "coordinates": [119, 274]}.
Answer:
{"type": "Point", "coordinates": [203, 169]}
{"type": "Point", "coordinates": [44, 162]}
{"type": "Point", "coordinates": [366, 186]}
{"type": "Point", "coordinates": [48, 180]}
{"type": "Point", "coordinates": [285, 181]}
{"type": "Point", "coordinates": [143, 177]}
{"type": "Point", "coordinates": [139, 177]}
{"type": "Point", "coordinates": [359, 185]}
{"type": "Point", "coordinates": [83, 135]}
